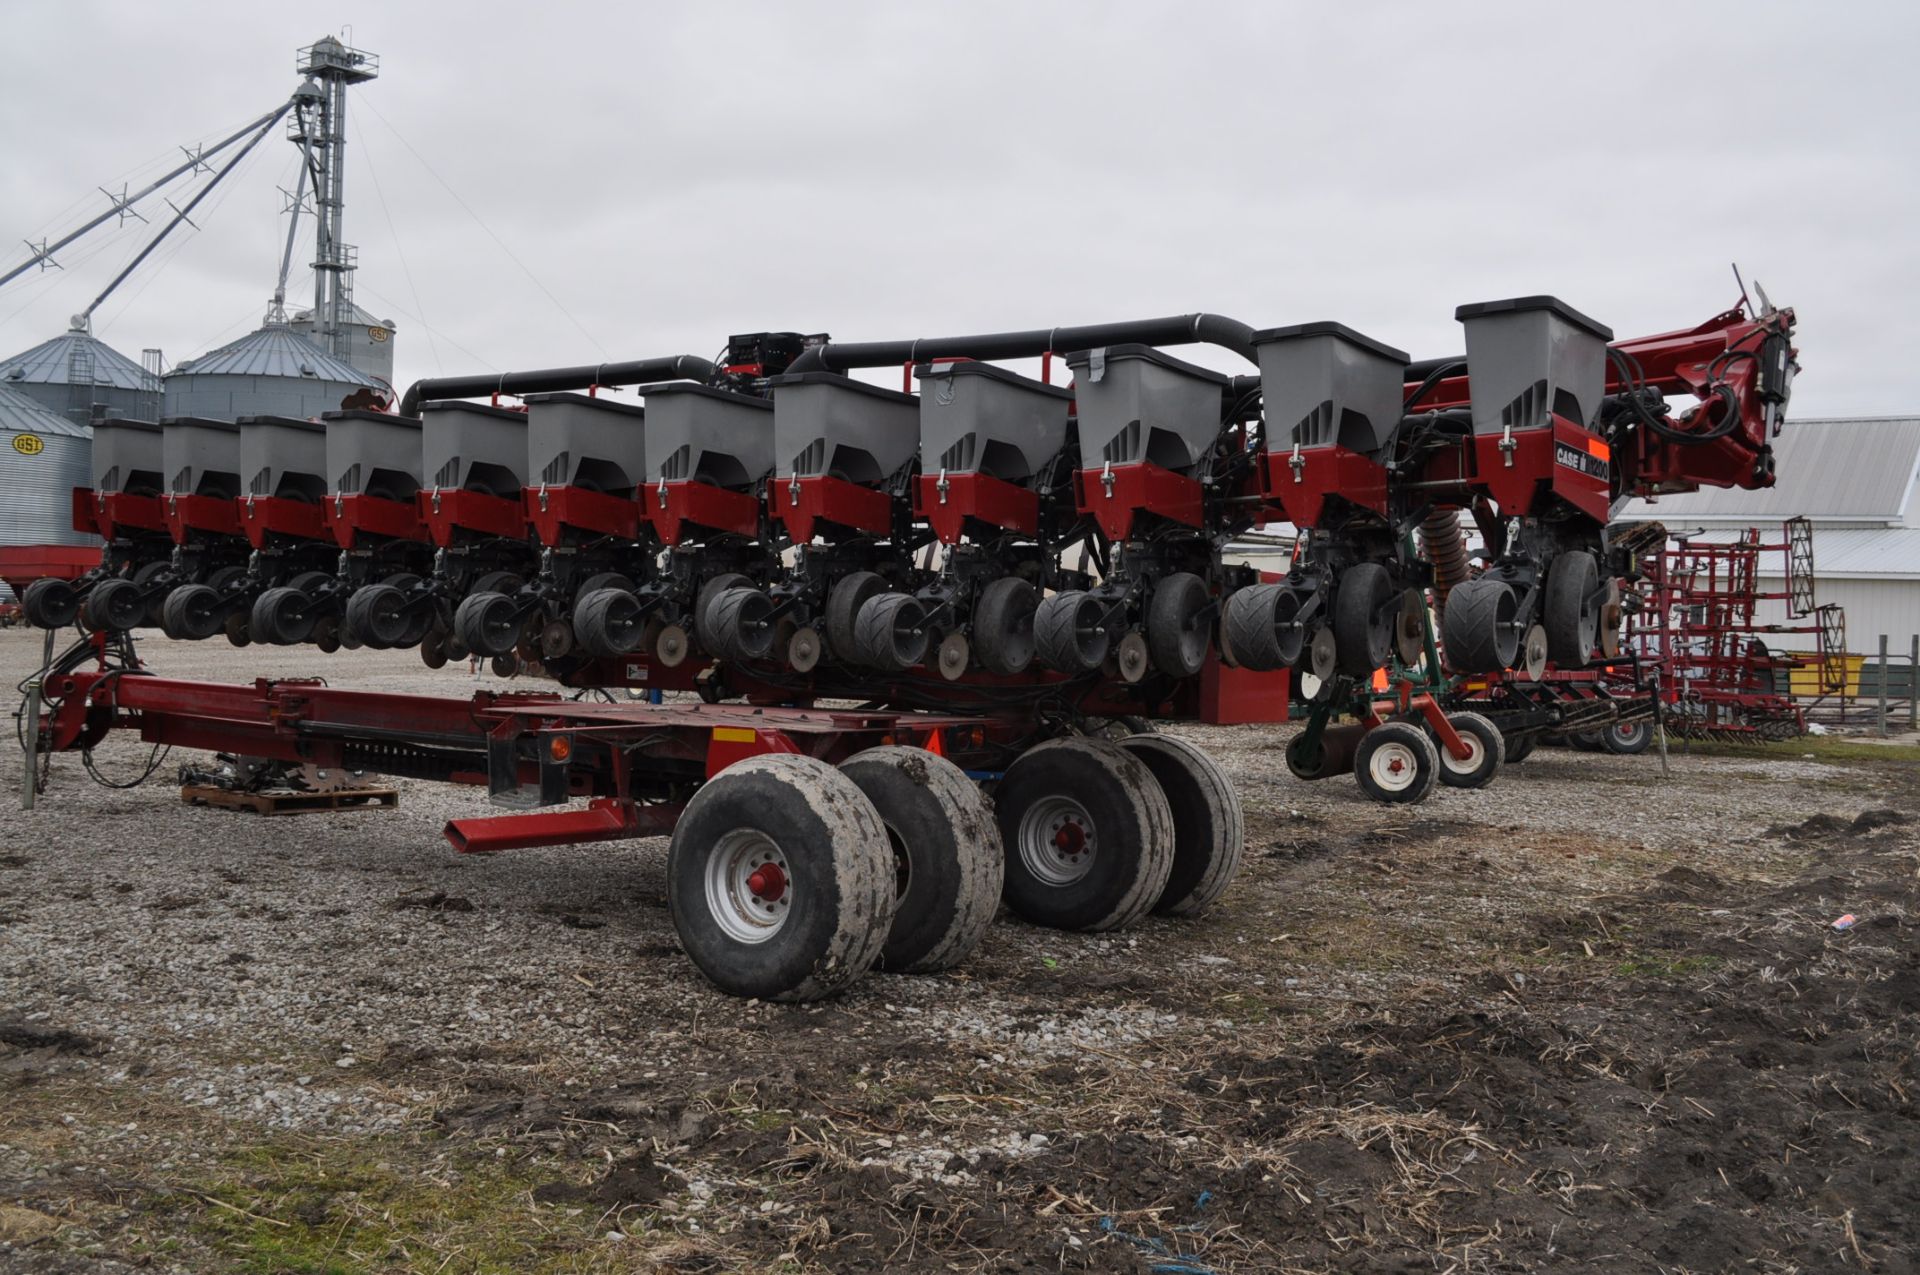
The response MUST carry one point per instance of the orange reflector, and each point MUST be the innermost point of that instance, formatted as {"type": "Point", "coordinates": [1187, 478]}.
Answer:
{"type": "Point", "coordinates": [1599, 450]}
{"type": "Point", "coordinates": [733, 735]}
{"type": "Point", "coordinates": [1379, 679]}
{"type": "Point", "coordinates": [559, 748]}
{"type": "Point", "coordinates": [934, 745]}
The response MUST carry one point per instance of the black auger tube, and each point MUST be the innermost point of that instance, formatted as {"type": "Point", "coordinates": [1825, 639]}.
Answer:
{"type": "Point", "coordinates": [1184, 329]}
{"type": "Point", "coordinates": [679, 367]}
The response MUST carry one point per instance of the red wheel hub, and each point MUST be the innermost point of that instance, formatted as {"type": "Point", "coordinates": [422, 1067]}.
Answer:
{"type": "Point", "coordinates": [1396, 765]}
{"type": "Point", "coordinates": [1071, 839]}
{"type": "Point", "coordinates": [768, 882]}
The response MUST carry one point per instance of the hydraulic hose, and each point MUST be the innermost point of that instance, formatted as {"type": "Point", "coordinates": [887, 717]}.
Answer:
{"type": "Point", "coordinates": [1184, 329]}
{"type": "Point", "coordinates": [679, 367]}
{"type": "Point", "coordinates": [1444, 547]}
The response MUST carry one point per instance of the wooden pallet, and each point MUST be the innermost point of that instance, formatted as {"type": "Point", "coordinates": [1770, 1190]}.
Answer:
{"type": "Point", "coordinates": [289, 803]}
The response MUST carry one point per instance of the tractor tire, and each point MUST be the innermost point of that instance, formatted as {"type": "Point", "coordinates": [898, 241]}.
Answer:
{"type": "Point", "coordinates": [1088, 833]}
{"type": "Point", "coordinates": [1477, 633]}
{"type": "Point", "coordinates": [845, 600]}
{"type": "Point", "coordinates": [606, 623]}
{"type": "Point", "coordinates": [1569, 612]}
{"type": "Point", "coordinates": [1209, 827]}
{"type": "Point", "coordinates": [948, 861]}
{"type": "Point", "coordinates": [1363, 629]}
{"type": "Point", "coordinates": [1397, 763]}
{"type": "Point", "coordinates": [485, 623]}
{"type": "Point", "coordinates": [891, 633]}
{"type": "Point", "coordinates": [737, 623]}
{"type": "Point", "coordinates": [780, 879]}
{"type": "Point", "coordinates": [1003, 626]}
{"type": "Point", "coordinates": [1067, 635]}
{"type": "Point", "coordinates": [1488, 749]}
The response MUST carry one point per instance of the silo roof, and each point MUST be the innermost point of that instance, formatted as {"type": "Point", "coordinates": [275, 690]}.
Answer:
{"type": "Point", "coordinates": [275, 350]}
{"type": "Point", "coordinates": [21, 415]}
{"type": "Point", "coordinates": [51, 363]}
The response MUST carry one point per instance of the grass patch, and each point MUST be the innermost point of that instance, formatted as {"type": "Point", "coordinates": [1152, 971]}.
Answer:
{"type": "Point", "coordinates": [1828, 748]}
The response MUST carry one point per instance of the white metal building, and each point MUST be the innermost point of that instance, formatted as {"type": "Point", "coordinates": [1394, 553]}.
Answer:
{"type": "Point", "coordinates": [1855, 480]}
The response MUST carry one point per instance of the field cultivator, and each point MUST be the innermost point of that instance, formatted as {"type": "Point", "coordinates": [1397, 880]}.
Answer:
{"type": "Point", "coordinates": [997, 569]}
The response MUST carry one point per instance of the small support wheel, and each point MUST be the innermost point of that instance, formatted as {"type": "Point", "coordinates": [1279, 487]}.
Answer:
{"type": "Point", "coordinates": [1088, 833]}
{"type": "Point", "coordinates": [606, 623]}
{"type": "Point", "coordinates": [948, 863]}
{"type": "Point", "coordinates": [1003, 625]}
{"type": "Point", "coordinates": [1068, 634]}
{"type": "Point", "coordinates": [1177, 639]}
{"type": "Point", "coordinates": [486, 623]}
{"type": "Point", "coordinates": [1628, 739]}
{"type": "Point", "coordinates": [1396, 763]}
{"type": "Point", "coordinates": [193, 613]}
{"type": "Point", "coordinates": [1209, 827]}
{"type": "Point", "coordinates": [1479, 630]}
{"type": "Point", "coordinates": [780, 879]}
{"type": "Point", "coordinates": [845, 601]}
{"type": "Point", "coordinates": [1363, 622]}
{"type": "Point", "coordinates": [1570, 611]}
{"type": "Point", "coordinates": [737, 624]}
{"type": "Point", "coordinates": [114, 605]}
{"type": "Point", "coordinates": [283, 616]}
{"type": "Point", "coordinates": [891, 633]}
{"type": "Point", "coordinates": [1486, 752]}
{"type": "Point", "coordinates": [1259, 624]}
{"type": "Point", "coordinates": [50, 604]}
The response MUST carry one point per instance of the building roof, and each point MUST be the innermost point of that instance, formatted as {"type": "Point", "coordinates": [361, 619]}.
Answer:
{"type": "Point", "coordinates": [21, 415]}
{"type": "Point", "coordinates": [51, 363]}
{"type": "Point", "coordinates": [1851, 469]}
{"type": "Point", "coordinates": [1844, 553]}
{"type": "Point", "coordinates": [274, 350]}
{"type": "Point", "coordinates": [355, 315]}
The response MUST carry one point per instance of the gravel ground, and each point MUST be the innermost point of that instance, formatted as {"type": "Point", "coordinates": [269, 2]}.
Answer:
{"type": "Point", "coordinates": [226, 1039]}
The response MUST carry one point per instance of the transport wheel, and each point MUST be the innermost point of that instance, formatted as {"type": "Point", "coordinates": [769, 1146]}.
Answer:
{"type": "Point", "coordinates": [1067, 633]}
{"type": "Point", "coordinates": [780, 879]}
{"type": "Point", "coordinates": [1586, 741]}
{"type": "Point", "coordinates": [1209, 828]}
{"type": "Point", "coordinates": [1486, 751]}
{"type": "Point", "coordinates": [891, 633]}
{"type": "Point", "coordinates": [1627, 739]}
{"type": "Point", "coordinates": [114, 605]}
{"type": "Point", "coordinates": [1258, 623]}
{"type": "Point", "coordinates": [1338, 744]}
{"type": "Point", "coordinates": [146, 577]}
{"type": "Point", "coordinates": [1519, 748]}
{"type": "Point", "coordinates": [703, 632]}
{"type": "Point", "coordinates": [737, 624]}
{"type": "Point", "coordinates": [1088, 833]}
{"type": "Point", "coordinates": [848, 597]}
{"type": "Point", "coordinates": [1570, 612]}
{"type": "Point", "coordinates": [283, 616]}
{"type": "Point", "coordinates": [1396, 763]}
{"type": "Point", "coordinates": [1177, 638]}
{"type": "Point", "coordinates": [1363, 625]}
{"type": "Point", "coordinates": [192, 613]}
{"type": "Point", "coordinates": [1478, 630]}
{"type": "Point", "coordinates": [1003, 625]}
{"type": "Point", "coordinates": [948, 863]}
{"type": "Point", "coordinates": [607, 624]}
{"type": "Point", "coordinates": [50, 604]}
{"type": "Point", "coordinates": [486, 623]}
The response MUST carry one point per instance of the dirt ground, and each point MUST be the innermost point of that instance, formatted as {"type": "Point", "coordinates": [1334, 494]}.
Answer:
{"type": "Point", "coordinates": [1591, 1018]}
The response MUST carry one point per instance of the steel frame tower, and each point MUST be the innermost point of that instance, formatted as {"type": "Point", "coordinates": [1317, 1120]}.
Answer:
{"type": "Point", "coordinates": [321, 131]}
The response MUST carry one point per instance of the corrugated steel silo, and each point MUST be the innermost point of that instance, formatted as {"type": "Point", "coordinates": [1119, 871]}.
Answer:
{"type": "Point", "coordinates": [43, 457]}
{"type": "Point", "coordinates": [82, 378]}
{"type": "Point", "coordinates": [273, 371]}
{"type": "Point", "coordinates": [369, 341]}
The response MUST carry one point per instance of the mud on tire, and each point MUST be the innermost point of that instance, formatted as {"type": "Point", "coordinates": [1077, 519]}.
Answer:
{"type": "Point", "coordinates": [1209, 828]}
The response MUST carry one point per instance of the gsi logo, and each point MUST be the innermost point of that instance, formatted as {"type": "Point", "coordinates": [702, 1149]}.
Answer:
{"type": "Point", "coordinates": [29, 444]}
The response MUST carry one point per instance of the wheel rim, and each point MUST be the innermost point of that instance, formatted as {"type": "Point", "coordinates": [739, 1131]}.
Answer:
{"type": "Point", "coordinates": [1393, 767]}
{"type": "Point", "coordinates": [749, 886]}
{"type": "Point", "coordinates": [1057, 840]}
{"type": "Point", "coordinates": [1476, 754]}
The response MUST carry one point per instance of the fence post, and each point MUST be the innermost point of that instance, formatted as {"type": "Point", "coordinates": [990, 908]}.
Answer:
{"type": "Point", "coordinates": [1883, 685]}
{"type": "Point", "coordinates": [1913, 685]}
{"type": "Point", "coordinates": [30, 712]}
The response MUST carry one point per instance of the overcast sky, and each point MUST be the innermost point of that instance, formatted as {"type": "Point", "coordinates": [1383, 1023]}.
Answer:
{"type": "Point", "coordinates": [670, 174]}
